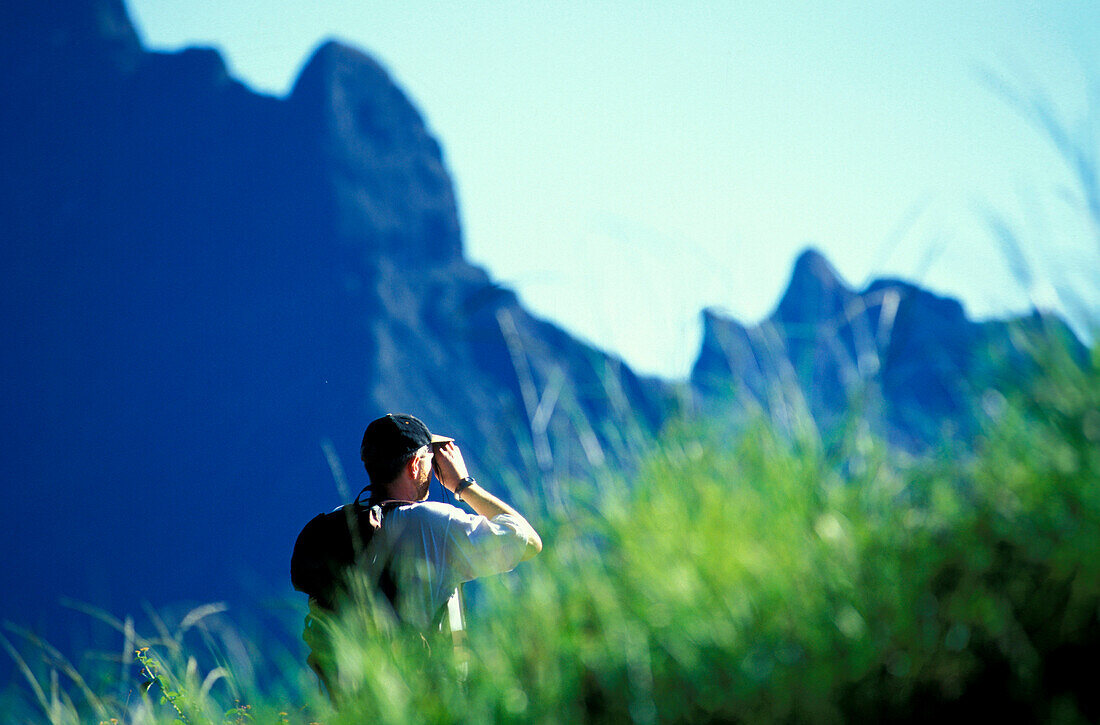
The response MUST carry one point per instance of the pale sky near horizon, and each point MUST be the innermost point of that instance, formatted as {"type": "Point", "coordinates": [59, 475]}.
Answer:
{"type": "Point", "coordinates": [623, 165]}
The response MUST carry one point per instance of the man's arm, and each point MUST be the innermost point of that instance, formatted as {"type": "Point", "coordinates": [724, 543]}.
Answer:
{"type": "Point", "coordinates": [451, 469]}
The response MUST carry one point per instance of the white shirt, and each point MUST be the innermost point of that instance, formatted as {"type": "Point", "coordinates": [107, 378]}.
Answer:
{"type": "Point", "coordinates": [436, 546]}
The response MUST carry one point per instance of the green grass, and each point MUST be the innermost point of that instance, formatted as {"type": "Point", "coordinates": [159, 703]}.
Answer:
{"type": "Point", "coordinates": [757, 579]}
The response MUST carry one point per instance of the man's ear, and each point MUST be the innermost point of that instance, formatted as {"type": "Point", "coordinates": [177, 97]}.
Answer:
{"type": "Point", "coordinates": [412, 466]}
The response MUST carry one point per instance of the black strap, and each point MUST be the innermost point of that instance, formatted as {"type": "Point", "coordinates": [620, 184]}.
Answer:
{"type": "Point", "coordinates": [386, 583]}
{"type": "Point", "coordinates": [365, 489]}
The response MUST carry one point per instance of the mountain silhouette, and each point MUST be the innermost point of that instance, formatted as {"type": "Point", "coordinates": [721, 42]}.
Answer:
{"type": "Point", "coordinates": [906, 360]}
{"type": "Point", "coordinates": [206, 289]}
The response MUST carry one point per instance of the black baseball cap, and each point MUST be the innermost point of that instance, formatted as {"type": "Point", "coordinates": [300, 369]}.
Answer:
{"type": "Point", "coordinates": [396, 435]}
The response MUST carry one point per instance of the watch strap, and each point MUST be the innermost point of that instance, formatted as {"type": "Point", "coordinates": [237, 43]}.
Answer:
{"type": "Point", "coordinates": [462, 486]}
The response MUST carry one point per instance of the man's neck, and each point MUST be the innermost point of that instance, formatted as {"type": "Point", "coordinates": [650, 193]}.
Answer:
{"type": "Point", "coordinates": [399, 490]}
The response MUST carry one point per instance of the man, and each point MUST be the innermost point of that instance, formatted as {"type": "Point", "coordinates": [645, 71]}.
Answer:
{"type": "Point", "coordinates": [425, 549]}
{"type": "Point", "coordinates": [435, 546]}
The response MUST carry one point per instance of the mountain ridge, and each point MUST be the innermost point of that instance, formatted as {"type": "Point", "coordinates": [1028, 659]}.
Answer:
{"type": "Point", "coordinates": [205, 286]}
{"type": "Point", "coordinates": [910, 361]}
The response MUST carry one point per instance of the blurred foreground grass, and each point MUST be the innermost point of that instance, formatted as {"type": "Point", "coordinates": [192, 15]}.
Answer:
{"type": "Point", "coordinates": [753, 579]}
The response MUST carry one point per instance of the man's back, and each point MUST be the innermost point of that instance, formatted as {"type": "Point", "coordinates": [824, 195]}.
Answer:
{"type": "Point", "coordinates": [433, 547]}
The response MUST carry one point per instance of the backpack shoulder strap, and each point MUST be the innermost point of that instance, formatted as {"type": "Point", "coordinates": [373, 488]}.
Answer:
{"type": "Point", "coordinates": [376, 515]}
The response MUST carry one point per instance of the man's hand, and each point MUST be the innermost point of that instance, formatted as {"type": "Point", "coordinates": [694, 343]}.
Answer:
{"type": "Point", "coordinates": [450, 469]}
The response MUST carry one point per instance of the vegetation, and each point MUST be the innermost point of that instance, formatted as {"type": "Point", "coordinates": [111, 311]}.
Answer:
{"type": "Point", "coordinates": [760, 579]}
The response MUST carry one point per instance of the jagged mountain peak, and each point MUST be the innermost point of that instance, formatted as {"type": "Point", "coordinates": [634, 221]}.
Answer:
{"type": "Point", "coordinates": [334, 63]}
{"type": "Point", "coordinates": [357, 96]}
{"type": "Point", "coordinates": [815, 292]}
{"type": "Point", "coordinates": [382, 166]}
{"type": "Point", "coordinates": [911, 359]}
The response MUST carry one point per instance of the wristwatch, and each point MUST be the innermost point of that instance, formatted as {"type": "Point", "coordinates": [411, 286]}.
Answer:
{"type": "Point", "coordinates": [462, 486]}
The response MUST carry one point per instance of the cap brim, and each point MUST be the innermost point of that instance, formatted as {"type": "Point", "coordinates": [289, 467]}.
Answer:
{"type": "Point", "coordinates": [440, 439]}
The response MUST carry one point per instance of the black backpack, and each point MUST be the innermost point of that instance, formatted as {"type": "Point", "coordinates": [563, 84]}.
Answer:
{"type": "Point", "coordinates": [333, 543]}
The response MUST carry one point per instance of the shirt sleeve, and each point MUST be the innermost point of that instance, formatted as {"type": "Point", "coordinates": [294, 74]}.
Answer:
{"type": "Point", "coordinates": [481, 547]}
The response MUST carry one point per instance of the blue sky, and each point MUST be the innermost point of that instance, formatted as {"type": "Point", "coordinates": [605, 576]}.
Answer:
{"type": "Point", "coordinates": [623, 165]}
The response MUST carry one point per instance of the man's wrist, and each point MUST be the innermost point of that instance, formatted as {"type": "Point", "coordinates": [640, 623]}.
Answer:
{"type": "Point", "coordinates": [462, 485]}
